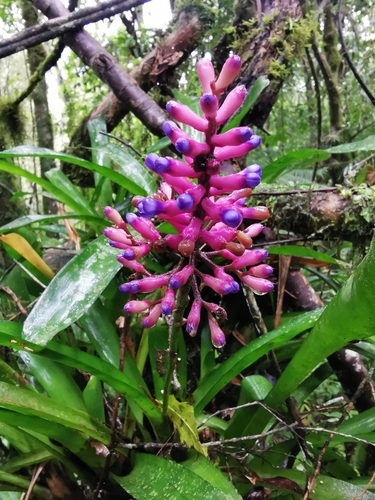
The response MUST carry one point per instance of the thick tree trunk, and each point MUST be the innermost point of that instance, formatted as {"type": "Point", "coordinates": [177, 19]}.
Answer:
{"type": "Point", "coordinates": [264, 42]}
{"type": "Point", "coordinates": [42, 116]}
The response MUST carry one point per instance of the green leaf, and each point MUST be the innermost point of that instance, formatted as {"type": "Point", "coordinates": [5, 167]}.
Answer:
{"type": "Point", "coordinates": [292, 161]}
{"type": "Point", "coordinates": [33, 151]}
{"type": "Point", "coordinates": [93, 396]}
{"type": "Point", "coordinates": [19, 429]}
{"type": "Point", "coordinates": [183, 420]}
{"type": "Point", "coordinates": [61, 181]}
{"type": "Point", "coordinates": [253, 388]}
{"type": "Point", "coordinates": [103, 191]}
{"type": "Point", "coordinates": [10, 336]}
{"type": "Point", "coordinates": [139, 179]}
{"type": "Point", "coordinates": [367, 144]}
{"type": "Point", "coordinates": [55, 380]}
{"type": "Point", "coordinates": [204, 468]}
{"type": "Point", "coordinates": [247, 355]}
{"type": "Point", "coordinates": [27, 220]}
{"type": "Point", "coordinates": [349, 316]}
{"type": "Point", "coordinates": [73, 290]}
{"type": "Point", "coordinates": [324, 488]}
{"type": "Point", "coordinates": [31, 403]}
{"type": "Point", "coordinates": [301, 251]}
{"type": "Point", "coordinates": [26, 460]}
{"type": "Point", "coordinates": [59, 195]}
{"type": "Point", "coordinates": [261, 83]}
{"type": "Point", "coordinates": [101, 332]}
{"type": "Point", "coordinates": [160, 144]}
{"type": "Point", "coordinates": [167, 480]}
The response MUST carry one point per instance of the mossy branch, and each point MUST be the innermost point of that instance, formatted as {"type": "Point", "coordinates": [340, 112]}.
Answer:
{"type": "Point", "coordinates": [49, 62]}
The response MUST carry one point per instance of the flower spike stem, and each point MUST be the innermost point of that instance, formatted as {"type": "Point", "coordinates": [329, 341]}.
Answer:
{"type": "Point", "coordinates": [182, 300]}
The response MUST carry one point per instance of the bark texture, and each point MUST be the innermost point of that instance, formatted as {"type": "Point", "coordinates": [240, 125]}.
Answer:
{"type": "Point", "coordinates": [156, 68]}
{"type": "Point", "coordinates": [262, 49]}
{"type": "Point", "coordinates": [35, 35]}
{"type": "Point", "coordinates": [346, 214]}
{"type": "Point", "coordinates": [108, 70]}
{"type": "Point", "coordinates": [42, 116]}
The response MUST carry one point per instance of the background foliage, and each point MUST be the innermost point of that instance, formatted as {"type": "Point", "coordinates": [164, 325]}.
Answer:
{"type": "Point", "coordinates": [286, 410]}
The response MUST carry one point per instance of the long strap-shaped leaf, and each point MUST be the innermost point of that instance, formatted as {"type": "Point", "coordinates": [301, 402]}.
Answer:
{"type": "Point", "coordinates": [349, 316]}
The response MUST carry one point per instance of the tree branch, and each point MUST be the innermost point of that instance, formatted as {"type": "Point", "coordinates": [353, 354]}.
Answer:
{"type": "Point", "coordinates": [108, 70]}
{"type": "Point", "coordinates": [158, 66]}
{"type": "Point", "coordinates": [348, 59]}
{"type": "Point", "coordinates": [65, 22]}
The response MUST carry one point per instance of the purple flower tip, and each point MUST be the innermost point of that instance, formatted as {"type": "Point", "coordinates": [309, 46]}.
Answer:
{"type": "Point", "coordinates": [129, 254]}
{"type": "Point", "coordinates": [255, 169]}
{"type": "Point", "coordinates": [150, 161]}
{"type": "Point", "coordinates": [129, 287]}
{"type": "Point", "coordinates": [231, 218]}
{"type": "Point", "coordinates": [246, 133]}
{"type": "Point", "coordinates": [255, 140]}
{"type": "Point", "coordinates": [168, 127]}
{"type": "Point", "coordinates": [161, 165]}
{"type": "Point", "coordinates": [149, 207]}
{"type": "Point", "coordinates": [234, 287]}
{"type": "Point", "coordinates": [182, 145]}
{"type": "Point", "coordinates": [130, 217]}
{"type": "Point", "coordinates": [175, 283]}
{"type": "Point", "coordinates": [166, 309]}
{"type": "Point", "coordinates": [185, 202]}
{"type": "Point", "coordinates": [208, 99]}
{"type": "Point", "coordinates": [252, 179]}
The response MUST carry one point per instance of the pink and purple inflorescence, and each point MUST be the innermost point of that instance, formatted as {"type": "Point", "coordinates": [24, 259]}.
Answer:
{"type": "Point", "coordinates": [206, 208]}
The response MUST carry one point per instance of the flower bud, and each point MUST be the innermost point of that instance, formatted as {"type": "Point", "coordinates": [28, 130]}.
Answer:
{"type": "Point", "coordinates": [180, 278]}
{"type": "Point", "coordinates": [113, 215]}
{"type": "Point", "coordinates": [143, 226]}
{"type": "Point", "coordinates": [249, 258]}
{"type": "Point", "coordinates": [117, 235]}
{"type": "Point", "coordinates": [144, 285]}
{"type": "Point", "coordinates": [258, 285]}
{"type": "Point", "coordinates": [206, 74]}
{"type": "Point", "coordinates": [190, 147]}
{"type": "Point", "coordinates": [231, 218]}
{"type": "Point", "coordinates": [233, 137]}
{"type": "Point", "coordinates": [255, 213]}
{"type": "Point", "coordinates": [209, 104]}
{"type": "Point", "coordinates": [178, 168]}
{"type": "Point", "coordinates": [232, 103]}
{"type": "Point", "coordinates": [194, 317]}
{"type": "Point", "coordinates": [172, 241]}
{"type": "Point", "coordinates": [137, 306]}
{"type": "Point", "coordinates": [132, 264]}
{"type": "Point", "coordinates": [184, 114]}
{"type": "Point", "coordinates": [227, 152]}
{"type": "Point", "coordinates": [168, 303]}
{"type": "Point", "coordinates": [228, 73]}
{"type": "Point", "coordinates": [217, 334]}
{"type": "Point", "coordinates": [220, 286]}
{"type": "Point", "coordinates": [185, 202]}
{"type": "Point", "coordinates": [134, 253]}
{"type": "Point", "coordinates": [261, 271]}
{"type": "Point", "coordinates": [150, 161]}
{"type": "Point", "coordinates": [151, 320]}
{"type": "Point", "coordinates": [253, 230]}
{"type": "Point", "coordinates": [149, 207]}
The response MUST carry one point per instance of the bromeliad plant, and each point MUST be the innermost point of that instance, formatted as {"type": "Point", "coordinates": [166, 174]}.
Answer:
{"type": "Point", "coordinates": [206, 208]}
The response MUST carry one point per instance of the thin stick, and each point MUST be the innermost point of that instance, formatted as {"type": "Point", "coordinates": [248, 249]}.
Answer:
{"type": "Point", "coordinates": [124, 332]}
{"type": "Point", "coordinates": [17, 301]}
{"type": "Point", "coordinates": [182, 300]}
